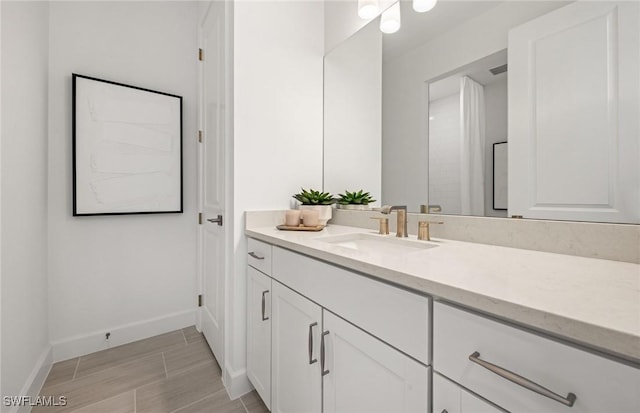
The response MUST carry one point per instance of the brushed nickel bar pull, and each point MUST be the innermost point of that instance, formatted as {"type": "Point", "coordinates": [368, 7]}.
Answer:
{"type": "Point", "coordinates": [311, 360]}
{"type": "Point", "coordinates": [322, 355]}
{"type": "Point", "coordinates": [256, 256]}
{"type": "Point", "coordinates": [264, 305]}
{"type": "Point", "coordinates": [521, 381]}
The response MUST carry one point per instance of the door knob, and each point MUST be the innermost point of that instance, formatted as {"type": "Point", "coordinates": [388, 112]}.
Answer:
{"type": "Point", "coordinates": [216, 220]}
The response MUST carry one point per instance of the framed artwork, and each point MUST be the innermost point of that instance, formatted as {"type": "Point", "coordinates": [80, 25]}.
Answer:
{"type": "Point", "coordinates": [500, 194]}
{"type": "Point", "coordinates": [127, 149]}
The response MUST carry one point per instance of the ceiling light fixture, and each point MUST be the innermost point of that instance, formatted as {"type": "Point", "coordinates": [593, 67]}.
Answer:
{"type": "Point", "coordinates": [390, 19]}
{"type": "Point", "coordinates": [368, 9]}
{"type": "Point", "coordinates": [422, 6]}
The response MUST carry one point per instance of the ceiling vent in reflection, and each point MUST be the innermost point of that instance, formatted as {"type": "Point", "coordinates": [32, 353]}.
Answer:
{"type": "Point", "coordinates": [498, 69]}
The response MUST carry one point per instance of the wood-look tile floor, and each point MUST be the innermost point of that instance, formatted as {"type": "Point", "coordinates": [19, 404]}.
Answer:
{"type": "Point", "coordinates": [172, 372]}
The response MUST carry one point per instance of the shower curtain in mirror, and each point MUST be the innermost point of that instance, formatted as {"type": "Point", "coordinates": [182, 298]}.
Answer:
{"type": "Point", "coordinates": [472, 146]}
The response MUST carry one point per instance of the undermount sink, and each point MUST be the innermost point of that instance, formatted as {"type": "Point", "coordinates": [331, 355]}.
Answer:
{"type": "Point", "coordinates": [377, 244]}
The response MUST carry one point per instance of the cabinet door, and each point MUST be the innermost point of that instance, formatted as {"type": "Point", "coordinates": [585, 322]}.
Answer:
{"type": "Point", "coordinates": [573, 114]}
{"type": "Point", "coordinates": [259, 333]}
{"type": "Point", "coordinates": [363, 374]}
{"type": "Point", "coordinates": [295, 376]}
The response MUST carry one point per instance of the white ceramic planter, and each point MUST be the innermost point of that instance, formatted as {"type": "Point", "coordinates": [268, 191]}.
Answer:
{"type": "Point", "coordinates": [354, 207]}
{"type": "Point", "coordinates": [325, 212]}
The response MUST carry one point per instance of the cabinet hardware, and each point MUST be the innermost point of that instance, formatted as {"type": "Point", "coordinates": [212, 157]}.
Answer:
{"type": "Point", "coordinates": [256, 256]}
{"type": "Point", "coordinates": [322, 354]}
{"type": "Point", "coordinates": [521, 381]}
{"type": "Point", "coordinates": [264, 305]}
{"type": "Point", "coordinates": [311, 359]}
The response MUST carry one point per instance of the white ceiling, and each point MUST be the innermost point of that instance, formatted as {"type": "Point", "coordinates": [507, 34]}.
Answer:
{"type": "Point", "coordinates": [418, 28]}
{"type": "Point", "coordinates": [478, 71]}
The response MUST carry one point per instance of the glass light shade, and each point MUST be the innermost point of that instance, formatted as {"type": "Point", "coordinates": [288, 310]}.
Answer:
{"type": "Point", "coordinates": [368, 9]}
{"type": "Point", "coordinates": [390, 19]}
{"type": "Point", "coordinates": [422, 6]}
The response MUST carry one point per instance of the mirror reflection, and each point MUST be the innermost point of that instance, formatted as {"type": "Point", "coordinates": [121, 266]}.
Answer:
{"type": "Point", "coordinates": [432, 165]}
{"type": "Point", "coordinates": [467, 117]}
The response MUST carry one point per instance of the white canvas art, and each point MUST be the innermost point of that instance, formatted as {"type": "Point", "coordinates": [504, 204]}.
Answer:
{"type": "Point", "coordinates": [127, 145]}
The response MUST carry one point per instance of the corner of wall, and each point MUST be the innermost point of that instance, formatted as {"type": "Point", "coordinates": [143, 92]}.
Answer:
{"type": "Point", "coordinates": [236, 382]}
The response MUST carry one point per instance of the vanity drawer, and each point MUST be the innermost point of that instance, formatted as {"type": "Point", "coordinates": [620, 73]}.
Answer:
{"type": "Point", "coordinates": [397, 317]}
{"type": "Point", "coordinates": [259, 255]}
{"type": "Point", "coordinates": [599, 384]}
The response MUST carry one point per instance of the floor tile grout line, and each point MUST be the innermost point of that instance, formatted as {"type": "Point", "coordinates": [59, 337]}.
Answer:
{"type": "Point", "coordinates": [197, 401]}
{"type": "Point", "coordinates": [133, 357]}
{"type": "Point", "coordinates": [184, 336]}
{"type": "Point", "coordinates": [76, 369]}
{"type": "Point", "coordinates": [84, 407]}
{"type": "Point", "coordinates": [109, 368]}
{"type": "Point", "coordinates": [126, 360]}
{"type": "Point", "coordinates": [164, 363]}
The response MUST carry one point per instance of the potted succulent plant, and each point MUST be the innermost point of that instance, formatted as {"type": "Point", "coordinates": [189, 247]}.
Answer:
{"type": "Point", "coordinates": [359, 200]}
{"type": "Point", "coordinates": [318, 200]}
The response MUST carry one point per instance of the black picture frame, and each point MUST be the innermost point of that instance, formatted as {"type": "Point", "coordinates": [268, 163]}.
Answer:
{"type": "Point", "coordinates": [127, 149]}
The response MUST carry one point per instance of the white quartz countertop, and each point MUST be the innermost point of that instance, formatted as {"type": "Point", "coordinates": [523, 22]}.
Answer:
{"type": "Point", "coordinates": [591, 301]}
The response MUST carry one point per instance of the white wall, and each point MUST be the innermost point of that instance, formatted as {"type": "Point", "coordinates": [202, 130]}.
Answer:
{"type": "Point", "coordinates": [404, 159]}
{"type": "Point", "coordinates": [278, 52]}
{"type": "Point", "coordinates": [25, 344]}
{"type": "Point", "coordinates": [109, 272]}
{"type": "Point", "coordinates": [352, 112]}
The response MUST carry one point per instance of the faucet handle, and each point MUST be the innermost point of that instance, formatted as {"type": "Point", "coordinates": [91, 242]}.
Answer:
{"type": "Point", "coordinates": [384, 225]}
{"type": "Point", "coordinates": [423, 229]}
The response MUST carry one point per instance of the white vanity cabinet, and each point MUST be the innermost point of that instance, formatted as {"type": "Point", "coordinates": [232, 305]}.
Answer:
{"type": "Point", "coordinates": [480, 354]}
{"type": "Point", "coordinates": [296, 375]}
{"type": "Point", "coordinates": [324, 354]}
{"type": "Point", "coordinates": [259, 295]}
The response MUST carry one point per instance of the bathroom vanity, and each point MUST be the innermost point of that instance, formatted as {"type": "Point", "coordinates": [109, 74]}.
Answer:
{"type": "Point", "coordinates": [346, 320]}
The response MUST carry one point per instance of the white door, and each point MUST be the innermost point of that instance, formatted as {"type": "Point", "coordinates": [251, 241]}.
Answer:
{"type": "Point", "coordinates": [366, 375]}
{"type": "Point", "coordinates": [574, 104]}
{"type": "Point", "coordinates": [212, 178]}
{"type": "Point", "coordinates": [259, 333]}
{"type": "Point", "coordinates": [296, 327]}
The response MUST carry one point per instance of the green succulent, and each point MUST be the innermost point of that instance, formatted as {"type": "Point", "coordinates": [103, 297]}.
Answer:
{"type": "Point", "coordinates": [355, 198]}
{"type": "Point", "coordinates": [313, 197]}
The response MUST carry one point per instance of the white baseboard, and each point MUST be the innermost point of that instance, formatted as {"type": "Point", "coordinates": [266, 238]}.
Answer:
{"type": "Point", "coordinates": [236, 382]}
{"type": "Point", "coordinates": [95, 341]}
{"type": "Point", "coordinates": [36, 379]}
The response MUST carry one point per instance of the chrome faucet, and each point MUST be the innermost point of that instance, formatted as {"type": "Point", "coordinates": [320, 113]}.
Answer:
{"type": "Point", "coordinates": [401, 226]}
